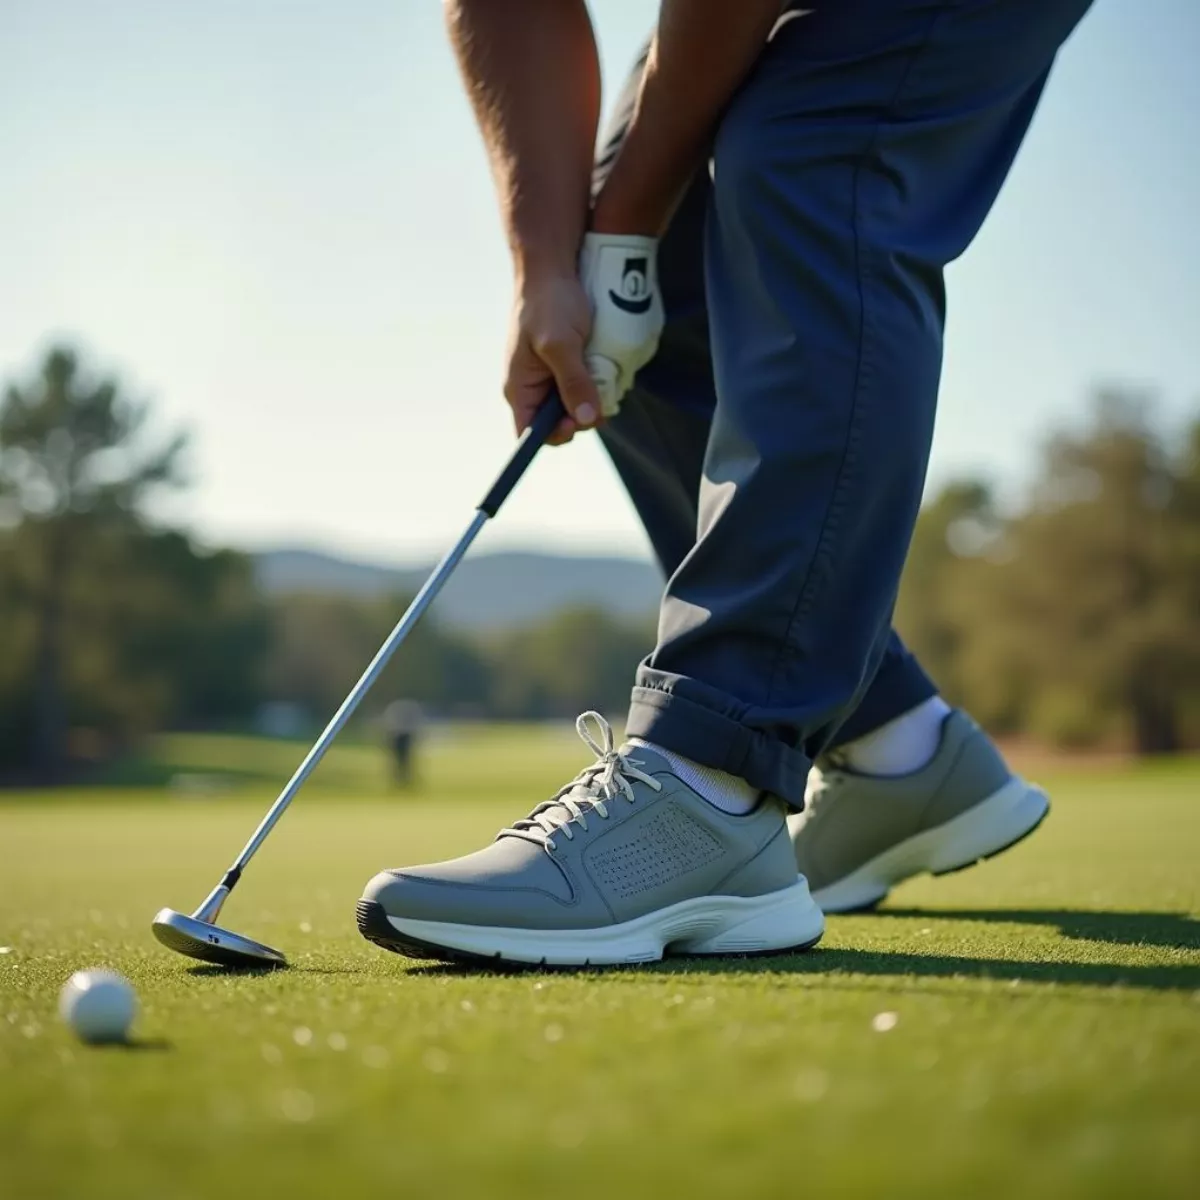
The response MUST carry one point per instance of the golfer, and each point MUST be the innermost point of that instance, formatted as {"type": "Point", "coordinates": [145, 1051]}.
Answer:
{"type": "Point", "coordinates": [744, 295]}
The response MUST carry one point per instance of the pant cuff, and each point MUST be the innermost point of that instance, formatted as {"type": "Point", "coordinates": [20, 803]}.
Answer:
{"type": "Point", "coordinates": [715, 740]}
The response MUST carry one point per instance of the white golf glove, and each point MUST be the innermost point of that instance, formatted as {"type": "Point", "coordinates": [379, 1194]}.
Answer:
{"type": "Point", "coordinates": [620, 276]}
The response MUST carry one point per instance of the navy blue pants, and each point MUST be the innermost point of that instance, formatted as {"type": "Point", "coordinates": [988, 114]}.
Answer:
{"type": "Point", "coordinates": [776, 447]}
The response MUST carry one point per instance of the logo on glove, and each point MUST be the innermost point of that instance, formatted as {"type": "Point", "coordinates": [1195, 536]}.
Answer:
{"type": "Point", "coordinates": [635, 294]}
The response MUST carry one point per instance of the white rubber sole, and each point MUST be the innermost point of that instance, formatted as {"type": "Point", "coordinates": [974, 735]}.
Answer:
{"type": "Point", "coordinates": [783, 920]}
{"type": "Point", "coordinates": [992, 825]}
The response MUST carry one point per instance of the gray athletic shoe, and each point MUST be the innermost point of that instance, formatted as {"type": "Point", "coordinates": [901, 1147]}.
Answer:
{"type": "Point", "coordinates": [624, 865]}
{"type": "Point", "coordinates": [861, 835]}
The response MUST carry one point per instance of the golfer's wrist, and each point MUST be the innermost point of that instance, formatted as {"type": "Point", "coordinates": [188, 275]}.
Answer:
{"type": "Point", "coordinates": [537, 261]}
{"type": "Point", "coordinates": [641, 216]}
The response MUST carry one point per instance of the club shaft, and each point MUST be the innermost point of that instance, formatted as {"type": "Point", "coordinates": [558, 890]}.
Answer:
{"type": "Point", "coordinates": [540, 429]}
{"type": "Point", "coordinates": [421, 602]}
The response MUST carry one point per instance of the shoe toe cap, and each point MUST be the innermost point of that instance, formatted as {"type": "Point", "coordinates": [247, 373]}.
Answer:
{"type": "Point", "coordinates": [404, 894]}
{"type": "Point", "coordinates": [514, 884]}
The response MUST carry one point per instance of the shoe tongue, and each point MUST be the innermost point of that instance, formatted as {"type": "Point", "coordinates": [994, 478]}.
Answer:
{"type": "Point", "coordinates": [583, 795]}
{"type": "Point", "coordinates": [646, 758]}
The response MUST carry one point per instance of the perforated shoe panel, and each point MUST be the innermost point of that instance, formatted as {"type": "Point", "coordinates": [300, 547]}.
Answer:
{"type": "Point", "coordinates": [664, 848]}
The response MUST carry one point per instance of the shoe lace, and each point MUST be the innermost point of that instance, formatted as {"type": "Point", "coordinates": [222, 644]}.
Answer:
{"type": "Point", "coordinates": [589, 793]}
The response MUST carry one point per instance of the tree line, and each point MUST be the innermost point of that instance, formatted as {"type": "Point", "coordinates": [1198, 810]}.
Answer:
{"type": "Point", "coordinates": [1074, 618]}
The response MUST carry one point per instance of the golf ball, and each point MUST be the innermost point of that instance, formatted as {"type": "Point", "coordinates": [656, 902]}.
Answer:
{"type": "Point", "coordinates": [99, 1006]}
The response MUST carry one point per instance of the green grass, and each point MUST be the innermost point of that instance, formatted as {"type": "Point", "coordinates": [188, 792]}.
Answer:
{"type": "Point", "coordinates": [1047, 1040]}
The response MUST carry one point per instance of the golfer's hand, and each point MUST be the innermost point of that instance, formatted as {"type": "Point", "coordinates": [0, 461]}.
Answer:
{"type": "Point", "coordinates": [619, 273]}
{"type": "Point", "coordinates": [549, 329]}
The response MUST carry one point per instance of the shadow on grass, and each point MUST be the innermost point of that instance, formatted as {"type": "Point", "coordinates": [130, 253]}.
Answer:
{"type": "Point", "coordinates": [221, 969]}
{"type": "Point", "coordinates": [1157, 929]}
{"type": "Point", "coordinates": [936, 966]}
{"type": "Point", "coordinates": [1177, 930]}
{"type": "Point", "coordinates": [216, 970]}
{"type": "Point", "coordinates": [134, 1046]}
{"type": "Point", "coordinates": [875, 963]}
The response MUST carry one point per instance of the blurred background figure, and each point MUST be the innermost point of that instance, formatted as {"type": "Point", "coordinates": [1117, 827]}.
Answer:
{"type": "Point", "coordinates": [403, 721]}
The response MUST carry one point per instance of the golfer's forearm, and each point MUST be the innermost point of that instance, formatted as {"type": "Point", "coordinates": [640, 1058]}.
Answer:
{"type": "Point", "coordinates": [533, 77]}
{"type": "Point", "coordinates": [701, 52]}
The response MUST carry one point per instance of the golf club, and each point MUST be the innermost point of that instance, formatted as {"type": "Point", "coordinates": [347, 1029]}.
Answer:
{"type": "Point", "coordinates": [198, 936]}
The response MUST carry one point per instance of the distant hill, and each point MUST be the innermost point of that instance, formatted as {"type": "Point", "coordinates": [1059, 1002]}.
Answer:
{"type": "Point", "coordinates": [487, 591]}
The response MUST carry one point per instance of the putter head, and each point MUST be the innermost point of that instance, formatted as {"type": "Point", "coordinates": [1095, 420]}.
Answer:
{"type": "Point", "coordinates": [211, 943]}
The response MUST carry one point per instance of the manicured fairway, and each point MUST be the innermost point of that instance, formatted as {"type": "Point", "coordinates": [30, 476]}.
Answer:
{"type": "Point", "coordinates": [1030, 1027]}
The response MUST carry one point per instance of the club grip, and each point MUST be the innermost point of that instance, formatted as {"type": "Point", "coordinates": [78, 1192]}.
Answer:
{"type": "Point", "coordinates": [544, 423]}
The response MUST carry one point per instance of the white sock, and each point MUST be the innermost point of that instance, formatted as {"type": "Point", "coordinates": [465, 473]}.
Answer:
{"type": "Point", "coordinates": [722, 790]}
{"type": "Point", "coordinates": [901, 746]}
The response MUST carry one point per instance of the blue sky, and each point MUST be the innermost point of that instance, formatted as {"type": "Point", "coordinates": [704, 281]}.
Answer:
{"type": "Point", "coordinates": [275, 218]}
